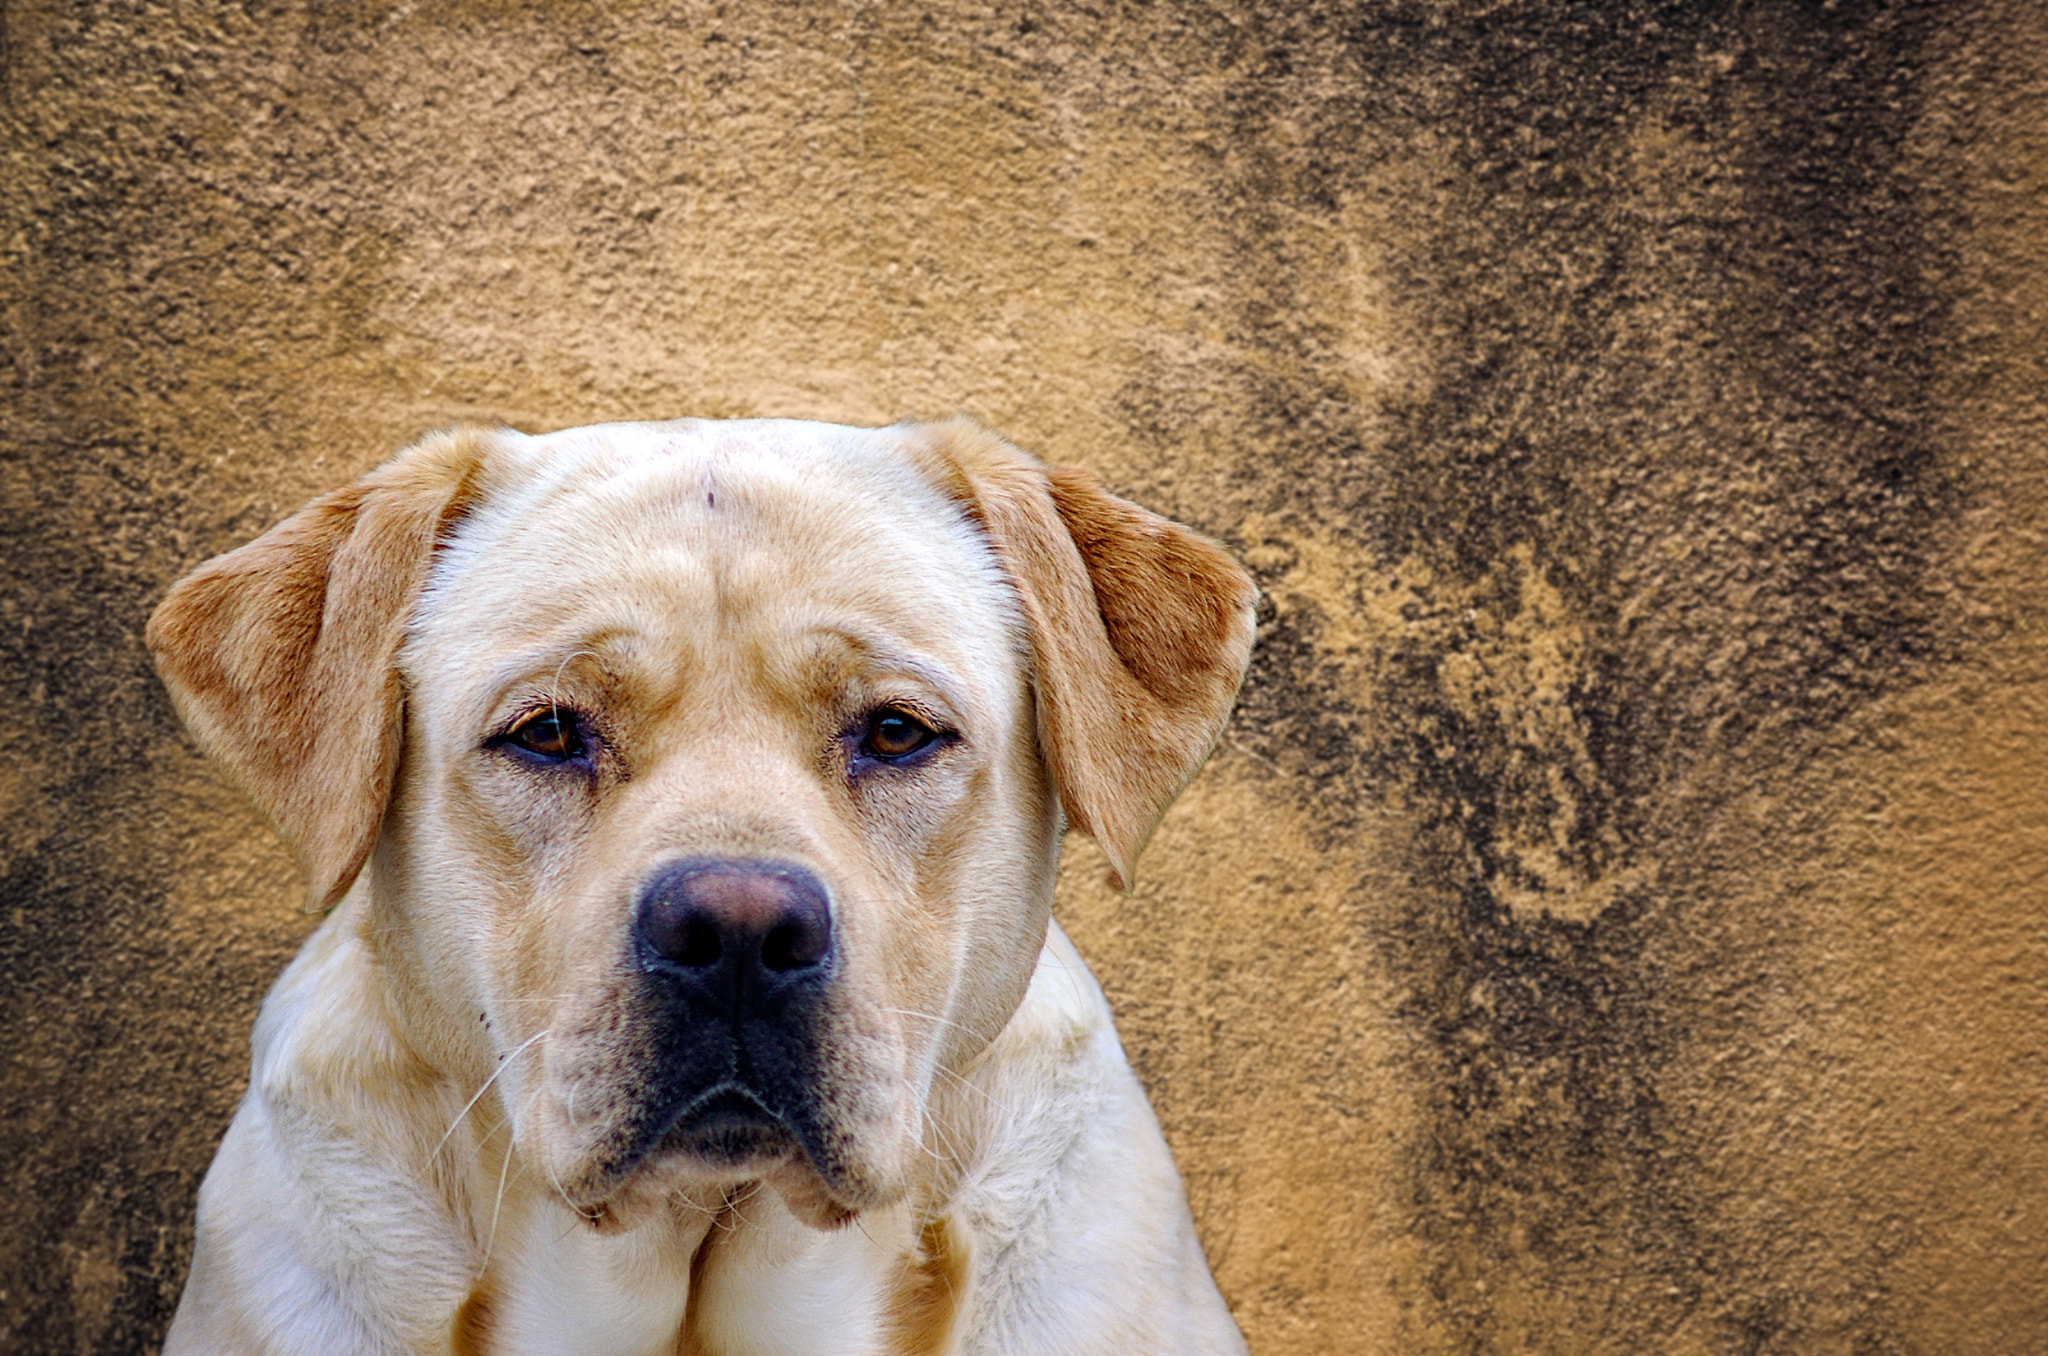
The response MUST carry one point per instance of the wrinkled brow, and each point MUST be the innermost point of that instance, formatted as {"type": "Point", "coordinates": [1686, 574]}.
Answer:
{"type": "Point", "coordinates": [598, 659]}
{"type": "Point", "coordinates": [873, 655]}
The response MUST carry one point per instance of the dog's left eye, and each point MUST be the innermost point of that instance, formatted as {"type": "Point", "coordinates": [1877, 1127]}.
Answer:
{"type": "Point", "coordinates": [893, 734]}
{"type": "Point", "coordinates": [551, 734]}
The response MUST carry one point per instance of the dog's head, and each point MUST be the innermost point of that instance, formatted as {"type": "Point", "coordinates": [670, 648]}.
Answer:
{"type": "Point", "coordinates": [708, 777]}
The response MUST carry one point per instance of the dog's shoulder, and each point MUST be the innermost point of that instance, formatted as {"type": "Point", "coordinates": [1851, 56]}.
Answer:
{"type": "Point", "coordinates": [326, 1231]}
{"type": "Point", "coordinates": [1071, 1189]}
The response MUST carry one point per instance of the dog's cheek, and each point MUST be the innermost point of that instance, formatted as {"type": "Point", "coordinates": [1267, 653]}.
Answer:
{"type": "Point", "coordinates": [601, 1053]}
{"type": "Point", "coordinates": [483, 862]}
{"type": "Point", "coordinates": [523, 819]}
{"type": "Point", "coordinates": [866, 1110]}
{"type": "Point", "coordinates": [522, 847]}
{"type": "Point", "coordinates": [923, 840]}
{"type": "Point", "coordinates": [980, 905]}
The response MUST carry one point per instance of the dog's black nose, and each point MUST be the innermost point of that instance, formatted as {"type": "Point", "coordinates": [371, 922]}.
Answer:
{"type": "Point", "coordinates": [739, 930]}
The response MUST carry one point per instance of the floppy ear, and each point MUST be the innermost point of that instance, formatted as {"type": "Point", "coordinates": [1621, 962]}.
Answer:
{"type": "Point", "coordinates": [1140, 631]}
{"type": "Point", "coordinates": [280, 656]}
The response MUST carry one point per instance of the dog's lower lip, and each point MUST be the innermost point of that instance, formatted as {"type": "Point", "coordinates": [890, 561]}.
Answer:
{"type": "Point", "coordinates": [729, 1101]}
{"type": "Point", "coordinates": [730, 1125]}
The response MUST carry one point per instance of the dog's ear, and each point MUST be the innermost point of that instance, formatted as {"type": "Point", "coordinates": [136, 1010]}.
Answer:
{"type": "Point", "coordinates": [280, 656]}
{"type": "Point", "coordinates": [1140, 630]}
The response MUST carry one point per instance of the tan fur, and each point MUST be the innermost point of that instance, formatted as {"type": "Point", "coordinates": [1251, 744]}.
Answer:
{"type": "Point", "coordinates": [928, 1296]}
{"type": "Point", "coordinates": [279, 655]}
{"type": "Point", "coordinates": [1140, 632]}
{"type": "Point", "coordinates": [471, 1334]}
{"type": "Point", "coordinates": [437, 1150]}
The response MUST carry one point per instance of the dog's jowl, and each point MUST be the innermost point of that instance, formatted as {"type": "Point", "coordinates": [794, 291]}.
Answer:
{"type": "Point", "coordinates": [687, 798]}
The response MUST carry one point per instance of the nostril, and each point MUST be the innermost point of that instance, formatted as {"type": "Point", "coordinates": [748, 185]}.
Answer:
{"type": "Point", "coordinates": [778, 948]}
{"type": "Point", "coordinates": [792, 946]}
{"type": "Point", "coordinates": [680, 934]}
{"type": "Point", "coordinates": [700, 945]}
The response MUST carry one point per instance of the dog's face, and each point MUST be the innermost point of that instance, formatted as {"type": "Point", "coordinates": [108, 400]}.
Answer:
{"type": "Point", "coordinates": [720, 801]}
{"type": "Point", "coordinates": [709, 776]}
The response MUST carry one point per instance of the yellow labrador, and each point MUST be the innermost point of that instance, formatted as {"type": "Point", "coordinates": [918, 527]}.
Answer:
{"type": "Point", "coordinates": [687, 797]}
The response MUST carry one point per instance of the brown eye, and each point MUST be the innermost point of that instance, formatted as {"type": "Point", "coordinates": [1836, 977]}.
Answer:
{"type": "Point", "coordinates": [894, 733]}
{"type": "Point", "coordinates": [550, 734]}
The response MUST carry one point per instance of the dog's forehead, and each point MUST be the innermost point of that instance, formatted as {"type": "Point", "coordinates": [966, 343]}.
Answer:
{"type": "Point", "coordinates": [695, 528]}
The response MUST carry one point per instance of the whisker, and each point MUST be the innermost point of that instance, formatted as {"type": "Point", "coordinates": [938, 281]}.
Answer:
{"type": "Point", "coordinates": [733, 1202]}
{"type": "Point", "coordinates": [987, 1096]}
{"type": "Point", "coordinates": [927, 1125]}
{"type": "Point", "coordinates": [471, 1103]}
{"type": "Point", "coordinates": [555, 683]}
{"type": "Point", "coordinates": [556, 1183]}
{"type": "Point", "coordinates": [491, 1240]}
{"type": "Point", "coordinates": [926, 1017]}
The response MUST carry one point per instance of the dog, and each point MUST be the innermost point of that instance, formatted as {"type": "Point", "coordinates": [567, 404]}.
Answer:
{"type": "Point", "coordinates": [687, 798]}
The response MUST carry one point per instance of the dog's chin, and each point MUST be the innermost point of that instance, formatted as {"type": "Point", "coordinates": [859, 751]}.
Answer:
{"type": "Point", "coordinates": [722, 1142]}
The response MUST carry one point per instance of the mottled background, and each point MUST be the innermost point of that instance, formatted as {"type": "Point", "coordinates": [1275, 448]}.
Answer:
{"type": "Point", "coordinates": [1614, 922]}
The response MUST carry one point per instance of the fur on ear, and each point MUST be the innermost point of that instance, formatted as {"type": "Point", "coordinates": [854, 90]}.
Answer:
{"type": "Point", "coordinates": [280, 656]}
{"type": "Point", "coordinates": [1140, 630]}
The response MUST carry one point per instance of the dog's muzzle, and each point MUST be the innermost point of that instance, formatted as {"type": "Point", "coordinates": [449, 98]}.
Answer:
{"type": "Point", "coordinates": [737, 956]}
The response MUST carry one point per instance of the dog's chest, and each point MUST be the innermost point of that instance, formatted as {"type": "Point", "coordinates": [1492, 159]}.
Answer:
{"type": "Point", "coordinates": [750, 1281]}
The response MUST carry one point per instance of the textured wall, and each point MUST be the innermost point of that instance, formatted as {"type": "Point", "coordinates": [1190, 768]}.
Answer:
{"type": "Point", "coordinates": [1617, 920]}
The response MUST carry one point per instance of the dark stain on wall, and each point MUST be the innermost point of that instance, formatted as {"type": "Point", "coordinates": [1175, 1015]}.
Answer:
{"type": "Point", "coordinates": [1765, 405]}
{"type": "Point", "coordinates": [1682, 276]}
{"type": "Point", "coordinates": [127, 1033]}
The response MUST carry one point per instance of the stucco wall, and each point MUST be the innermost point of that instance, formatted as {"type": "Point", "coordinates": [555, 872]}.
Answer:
{"type": "Point", "coordinates": [1617, 920]}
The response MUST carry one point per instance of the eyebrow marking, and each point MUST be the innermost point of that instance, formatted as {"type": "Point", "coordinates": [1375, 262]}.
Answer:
{"type": "Point", "coordinates": [594, 655]}
{"type": "Point", "coordinates": [884, 655]}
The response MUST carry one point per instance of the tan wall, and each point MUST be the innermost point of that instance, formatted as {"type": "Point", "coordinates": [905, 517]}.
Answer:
{"type": "Point", "coordinates": [1617, 920]}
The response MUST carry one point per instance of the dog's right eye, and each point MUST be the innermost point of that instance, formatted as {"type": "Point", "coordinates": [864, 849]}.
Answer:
{"type": "Point", "coordinates": [552, 734]}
